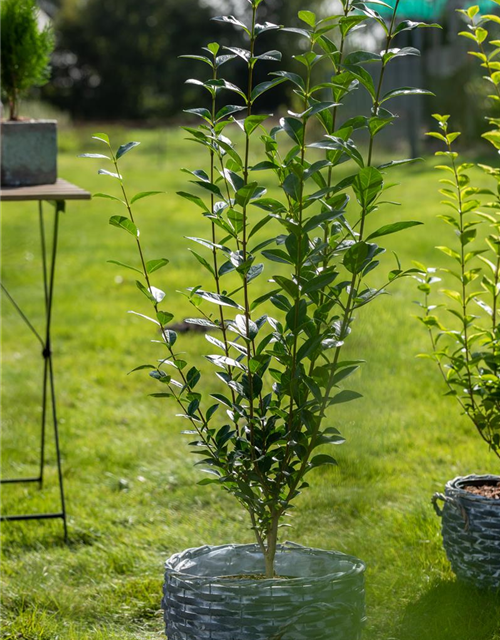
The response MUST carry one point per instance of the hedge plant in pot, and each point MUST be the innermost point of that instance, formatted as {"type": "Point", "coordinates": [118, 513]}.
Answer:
{"type": "Point", "coordinates": [29, 147]}
{"type": "Point", "coordinates": [465, 333]}
{"type": "Point", "coordinates": [284, 276]}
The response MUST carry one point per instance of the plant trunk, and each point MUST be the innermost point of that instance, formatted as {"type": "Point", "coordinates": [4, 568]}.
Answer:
{"type": "Point", "coordinates": [270, 554]}
{"type": "Point", "coordinates": [13, 107]}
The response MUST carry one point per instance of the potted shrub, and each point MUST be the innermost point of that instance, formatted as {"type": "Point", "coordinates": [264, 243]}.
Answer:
{"type": "Point", "coordinates": [465, 333]}
{"type": "Point", "coordinates": [29, 147]}
{"type": "Point", "coordinates": [289, 272]}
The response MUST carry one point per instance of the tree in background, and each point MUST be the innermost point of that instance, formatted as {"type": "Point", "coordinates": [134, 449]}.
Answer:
{"type": "Point", "coordinates": [118, 59]}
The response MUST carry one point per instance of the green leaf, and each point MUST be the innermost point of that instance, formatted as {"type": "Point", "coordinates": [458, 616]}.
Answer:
{"type": "Point", "coordinates": [214, 48]}
{"type": "Point", "coordinates": [221, 300]}
{"type": "Point", "coordinates": [164, 317]}
{"type": "Point", "coordinates": [154, 265]}
{"type": "Point", "coordinates": [195, 199]}
{"type": "Point", "coordinates": [127, 266]}
{"type": "Point", "coordinates": [288, 285]}
{"type": "Point", "coordinates": [345, 396]}
{"type": "Point", "coordinates": [153, 294]}
{"type": "Point", "coordinates": [144, 194]}
{"type": "Point", "coordinates": [94, 155]}
{"type": "Point", "coordinates": [228, 86]}
{"type": "Point", "coordinates": [292, 77]}
{"type": "Point", "coordinates": [277, 255]}
{"type": "Point", "coordinates": [319, 282]}
{"type": "Point", "coordinates": [125, 148]}
{"type": "Point", "coordinates": [142, 368]}
{"type": "Point", "coordinates": [392, 228]}
{"type": "Point", "coordinates": [264, 298]}
{"type": "Point", "coordinates": [292, 187]}
{"type": "Point", "coordinates": [410, 25]}
{"type": "Point", "coordinates": [170, 337]}
{"type": "Point", "coordinates": [252, 122]}
{"type": "Point", "coordinates": [265, 86]}
{"type": "Point", "coordinates": [273, 56]}
{"type": "Point", "coordinates": [203, 262]}
{"type": "Point", "coordinates": [308, 17]}
{"type": "Point", "coordinates": [449, 252]}
{"type": "Point", "coordinates": [302, 32]}
{"type": "Point", "coordinates": [361, 57]}
{"type": "Point", "coordinates": [246, 193]}
{"type": "Point", "coordinates": [367, 185]}
{"type": "Point", "coordinates": [405, 91]}
{"type": "Point", "coordinates": [295, 129]}
{"type": "Point", "coordinates": [348, 23]}
{"type": "Point", "coordinates": [232, 20]}
{"type": "Point", "coordinates": [361, 74]}
{"type": "Point", "coordinates": [357, 257]}
{"type": "Point", "coordinates": [228, 110]}
{"type": "Point", "coordinates": [199, 58]}
{"type": "Point", "coordinates": [103, 137]}
{"type": "Point", "coordinates": [322, 459]}
{"type": "Point", "coordinates": [266, 26]}
{"type": "Point", "coordinates": [193, 377]}
{"type": "Point", "coordinates": [104, 172]}
{"type": "Point", "coordinates": [108, 196]}
{"type": "Point", "coordinates": [377, 123]}
{"type": "Point", "coordinates": [390, 54]}
{"type": "Point", "coordinates": [493, 137]}
{"type": "Point", "coordinates": [124, 223]}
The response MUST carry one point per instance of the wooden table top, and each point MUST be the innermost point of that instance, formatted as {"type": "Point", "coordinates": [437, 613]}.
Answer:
{"type": "Point", "coordinates": [60, 190]}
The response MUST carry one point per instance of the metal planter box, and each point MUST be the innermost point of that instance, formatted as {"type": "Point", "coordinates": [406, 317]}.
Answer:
{"type": "Point", "coordinates": [471, 531]}
{"type": "Point", "coordinates": [28, 152]}
{"type": "Point", "coordinates": [322, 597]}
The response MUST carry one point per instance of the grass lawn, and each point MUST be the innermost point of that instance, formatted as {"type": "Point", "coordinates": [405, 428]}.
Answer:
{"type": "Point", "coordinates": [131, 489]}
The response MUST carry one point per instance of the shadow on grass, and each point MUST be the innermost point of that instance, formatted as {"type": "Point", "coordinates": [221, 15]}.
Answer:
{"type": "Point", "coordinates": [452, 611]}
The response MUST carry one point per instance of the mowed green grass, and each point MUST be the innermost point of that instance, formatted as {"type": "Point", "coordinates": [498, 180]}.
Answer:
{"type": "Point", "coordinates": [131, 489]}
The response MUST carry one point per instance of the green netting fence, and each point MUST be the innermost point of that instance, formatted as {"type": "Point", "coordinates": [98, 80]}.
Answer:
{"type": "Point", "coordinates": [432, 9]}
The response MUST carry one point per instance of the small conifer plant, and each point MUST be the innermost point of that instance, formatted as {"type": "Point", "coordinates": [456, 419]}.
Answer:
{"type": "Point", "coordinates": [24, 51]}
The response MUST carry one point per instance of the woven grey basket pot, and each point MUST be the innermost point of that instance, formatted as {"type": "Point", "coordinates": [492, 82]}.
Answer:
{"type": "Point", "coordinates": [471, 531]}
{"type": "Point", "coordinates": [322, 599]}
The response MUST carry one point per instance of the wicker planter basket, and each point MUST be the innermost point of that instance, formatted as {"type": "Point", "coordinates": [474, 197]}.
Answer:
{"type": "Point", "coordinates": [323, 597]}
{"type": "Point", "coordinates": [471, 531]}
{"type": "Point", "coordinates": [28, 152]}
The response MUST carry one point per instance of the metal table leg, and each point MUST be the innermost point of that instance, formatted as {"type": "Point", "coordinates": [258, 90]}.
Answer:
{"type": "Point", "coordinates": [48, 371]}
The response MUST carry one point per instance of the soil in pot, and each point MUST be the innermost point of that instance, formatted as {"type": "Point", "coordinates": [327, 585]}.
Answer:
{"type": "Point", "coordinates": [487, 490]}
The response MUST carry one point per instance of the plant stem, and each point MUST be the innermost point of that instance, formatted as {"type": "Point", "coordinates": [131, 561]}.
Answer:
{"type": "Point", "coordinates": [462, 274]}
{"type": "Point", "coordinates": [376, 104]}
{"type": "Point", "coordinates": [298, 269]}
{"type": "Point", "coordinates": [245, 221]}
{"type": "Point", "coordinates": [272, 543]}
{"type": "Point", "coordinates": [214, 237]}
{"type": "Point", "coordinates": [347, 10]}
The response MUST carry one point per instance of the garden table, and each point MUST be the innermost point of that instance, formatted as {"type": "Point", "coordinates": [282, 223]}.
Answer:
{"type": "Point", "coordinates": [56, 194]}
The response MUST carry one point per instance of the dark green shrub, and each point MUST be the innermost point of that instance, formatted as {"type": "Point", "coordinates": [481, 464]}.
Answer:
{"type": "Point", "coordinates": [279, 357]}
{"type": "Point", "coordinates": [25, 51]}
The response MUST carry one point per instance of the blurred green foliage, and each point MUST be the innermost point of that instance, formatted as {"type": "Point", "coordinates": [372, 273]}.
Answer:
{"type": "Point", "coordinates": [119, 59]}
